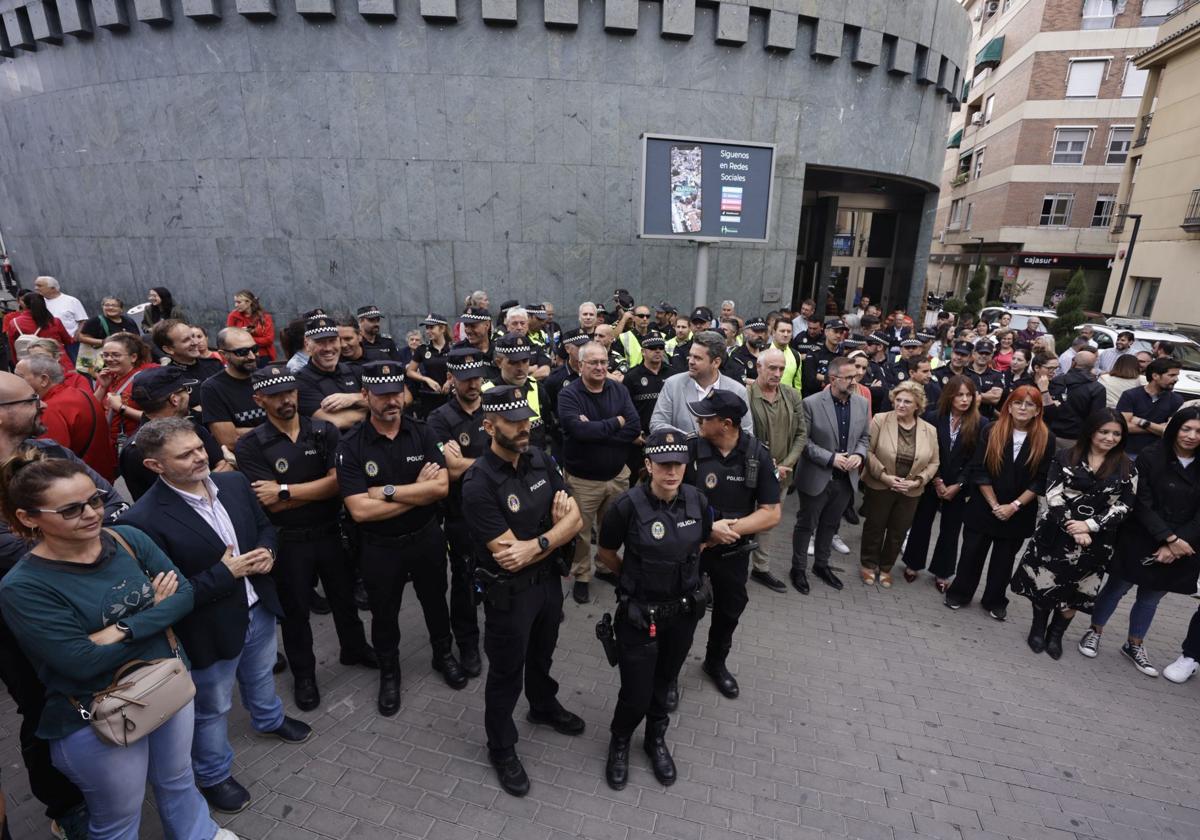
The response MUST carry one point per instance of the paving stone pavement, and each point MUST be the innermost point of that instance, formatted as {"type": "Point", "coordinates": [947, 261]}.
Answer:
{"type": "Point", "coordinates": [866, 713]}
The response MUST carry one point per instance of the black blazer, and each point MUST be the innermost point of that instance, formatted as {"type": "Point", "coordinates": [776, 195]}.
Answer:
{"type": "Point", "coordinates": [216, 627]}
{"type": "Point", "coordinates": [1013, 480]}
{"type": "Point", "coordinates": [955, 460]}
{"type": "Point", "coordinates": [1168, 501]}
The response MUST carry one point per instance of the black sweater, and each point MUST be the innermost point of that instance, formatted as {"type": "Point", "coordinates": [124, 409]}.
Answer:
{"type": "Point", "coordinates": [598, 448]}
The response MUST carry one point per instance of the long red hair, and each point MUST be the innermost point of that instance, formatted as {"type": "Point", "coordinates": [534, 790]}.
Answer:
{"type": "Point", "coordinates": [1000, 433]}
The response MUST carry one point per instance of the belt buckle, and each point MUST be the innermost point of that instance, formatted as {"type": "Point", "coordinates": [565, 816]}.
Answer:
{"type": "Point", "coordinates": [1086, 510]}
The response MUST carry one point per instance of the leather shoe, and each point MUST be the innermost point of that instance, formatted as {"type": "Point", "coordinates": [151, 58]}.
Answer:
{"type": "Point", "coordinates": [580, 592]}
{"type": "Point", "coordinates": [616, 769]}
{"type": "Point", "coordinates": [800, 581]}
{"type": "Point", "coordinates": [308, 697]}
{"type": "Point", "coordinates": [721, 678]}
{"type": "Point", "coordinates": [660, 757]}
{"type": "Point", "coordinates": [228, 797]}
{"type": "Point", "coordinates": [292, 731]}
{"type": "Point", "coordinates": [608, 577]}
{"type": "Point", "coordinates": [366, 658]}
{"type": "Point", "coordinates": [563, 721]}
{"type": "Point", "coordinates": [468, 657]}
{"type": "Point", "coordinates": [672, 698]}
{"type": "Point", "coordinates": [768, 580]}
{"type": "Point", "coordinates": [318, 604]}
{"type": "Point", "coordinates": [280, 664]}
{"type": "Point", "coordinates": [450, 670]}
{"type": "Point", "coordinates": [511, 774]}
{"type": "Point", "coordinates": [827, 575]}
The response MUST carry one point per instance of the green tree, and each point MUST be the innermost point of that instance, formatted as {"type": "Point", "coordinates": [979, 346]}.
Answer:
{"type": "Point", "coordinates": [1070, 311]}
{"type": "Point", "coordinates": [976, 289]}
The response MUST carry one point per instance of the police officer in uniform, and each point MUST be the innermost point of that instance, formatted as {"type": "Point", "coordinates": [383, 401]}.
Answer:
{"type": "Point", "coordinates": [289, 460]}
{"type": "Point", "coordinates": [662, 523]}
{"type": "Point", "coordinates": [736, 473]}
{"type": "Point", "coordinates": [876, 378]}
{"type": "Point", "coordinates": [522, 520]}
{"type": "Point", "coordinates": [644, 382]}
{"type": "Point", "coordinates": [742, 364]}
{"type": "Point", "coordinates": [458, 427]}
{"type": "Point", "coordinates": [376, 345]}
{"type": "Point", "coordinates": [960, 360]}
{"type": "Point", "coordinates": [429, 363]}
{"type": "Point", "coordinates": [816, 365]}
{"type": "Point", "coordinates": [562, 376]}
{"type": "Point", "coordinates": [989, 382]}
{"type": "Point", "coordinates": [477, 322]}
{"type": "Point", "coordinates": [514, 354]}
{"type": "Point", "coordinates": [328, 388]}
{"type": "Point", "coordinates": [897, 371]}
{"type": "Point", "coordinates": [392, 475]}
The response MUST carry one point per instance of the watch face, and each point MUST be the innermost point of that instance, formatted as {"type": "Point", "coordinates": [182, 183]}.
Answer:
{"type": "Point", "coordinates": [389, 490]}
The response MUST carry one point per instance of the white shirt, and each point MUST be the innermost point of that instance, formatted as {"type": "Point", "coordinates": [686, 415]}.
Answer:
{"type": "Point", "coordinates": [68, 310]}
{"type": "Point", "coordinates": [209, 508]}
{"type": "Point", "coordinates": [1018, 442]}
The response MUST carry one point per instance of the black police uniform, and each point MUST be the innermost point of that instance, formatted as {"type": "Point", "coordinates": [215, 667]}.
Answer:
{"type": "Point", "coordinates": [406, 547]}
{"type": "Point", "coordinates": [817, 362]}
{"type": "Point", "coordinates": [431, 362]}
{"type": "Point", "coordinates": [382, 349]}
{"type": "Point", "coordinates": [522, 611]}
{"type": "Point", "coordinates": [985, 382]}
{"type": "Point", "coordinates": [741, 365]}
{"type": "Point", "coordinates": [447, 423]}
{"type": "Point", "coordinates": [310, 544]}
{"type": "Point", "coordinates": [735, 485]}
{"type": "Point", "coordinates": [942, 374]}
{"type": "Point", "coordinates": [876, 380]}
{"type": "Point", "coordinates": [491, 369]}
{"type": "Point", "coordinates": [617, 363]}
{"type": "Point", "coordinates": [806, 345]}
{"type": "Point", "coordinates": [315, 385]}
{"type": "Point", "coordinates": [227, 399]}
{"type": "Point", "coordinates": [678, 363]}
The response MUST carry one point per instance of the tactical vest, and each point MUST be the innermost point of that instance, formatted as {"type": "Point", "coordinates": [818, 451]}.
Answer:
{"type": "Point", "coordinates": [731, 488]}
{"type": "Point", "coordinates": [664, 563]}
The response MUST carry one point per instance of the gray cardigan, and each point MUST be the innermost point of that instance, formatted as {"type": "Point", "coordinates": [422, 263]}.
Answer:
{"type": "Point", "coordinates": [671, 408]}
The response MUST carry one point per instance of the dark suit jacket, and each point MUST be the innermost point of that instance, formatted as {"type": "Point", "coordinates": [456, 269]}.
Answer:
{"type": "Point", "coordinates": [216, 627]}
{"type": "Point", "coordinates": [1014, 479]}
{"type": "Point", "coordinates": [955, 459]}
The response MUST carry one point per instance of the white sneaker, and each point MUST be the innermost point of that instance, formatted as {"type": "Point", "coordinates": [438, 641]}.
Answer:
{"type": "Point", "coordinates": [224, 834]}
{"type": "Point", "coordinates": [839, 545]}
{"type": "Point", "coordinates": [1181, 670]}
{"type": "Point", "coordinates": [812, 547]}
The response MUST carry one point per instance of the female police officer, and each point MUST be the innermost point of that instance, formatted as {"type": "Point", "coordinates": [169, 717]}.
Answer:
{"type": "Point", "coordinates": [662, 524]}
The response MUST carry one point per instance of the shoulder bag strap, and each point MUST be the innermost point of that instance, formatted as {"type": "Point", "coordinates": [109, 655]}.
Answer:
{"type": "Point", "coordinates": [171, 640]}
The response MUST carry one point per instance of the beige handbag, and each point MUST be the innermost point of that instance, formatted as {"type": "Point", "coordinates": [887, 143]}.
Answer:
{"type": "Point", "coordinates": [144, 694]}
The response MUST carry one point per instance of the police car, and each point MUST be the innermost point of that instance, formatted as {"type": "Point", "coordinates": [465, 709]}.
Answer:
{"type": "Point", "coordinates": [1145, 333]}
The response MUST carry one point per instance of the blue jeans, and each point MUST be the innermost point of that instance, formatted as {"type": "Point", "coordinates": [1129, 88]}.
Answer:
{"type": "Point", "coordinates": [113, 780]}
{"type": "Point", "coordinates": [212, 754]}
{"type": "Point", "coordinates": [1140, 616]}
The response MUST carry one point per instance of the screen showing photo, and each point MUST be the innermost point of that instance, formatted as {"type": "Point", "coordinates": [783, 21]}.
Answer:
{"type": "Point", "coordinates": [685, 188]}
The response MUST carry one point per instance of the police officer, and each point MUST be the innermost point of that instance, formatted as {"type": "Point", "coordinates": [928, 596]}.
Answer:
{"type": "Point", "coordinates": [989, 382]}
{"type": "Point", "coordinates": [662, 523]}
{"type": "Point", "coordinates": [897, 371]}
{"type": "Point", "coordinates": [816, 364]}
{"type": "Point", "coordinates": [392, 475]}
{"type": "Point", "coordinates": [644, 382]}
{"type": "Point", "coordinates": [428, 365]}
{"type": "Point", "coordinates": [735, 471]}
{"type": "Point", "coordinates": [876, 377]}
{"type": "Point", "coordinates": [743, 361]}
{"type": "Point", "coordinates": [328, 388]}
{"type": "Point", "coordinates": [458, 427]}
{"type": "Point", "coordinates": [376, 345]}
{"type": "Point", "coordinates": [289, 460]}
{"type": "Point", "coordinates": [563, 375]}
{"type": "Point", "coordinates": [477, 323]}
{"type": "Point", "coordinates": [960, 360]}
{"type": "Point", "coordinates": [522, 518]}
{"type": "Point", "coordinates": [514, 354]}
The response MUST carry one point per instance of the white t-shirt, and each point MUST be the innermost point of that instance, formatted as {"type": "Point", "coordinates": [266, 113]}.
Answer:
{"type": "Point", "coordinates": [69, 310]}
{"type": "Point", "coordinates": [1187, 462]}
{"type": "Point", "coordinates": [1018, 442]}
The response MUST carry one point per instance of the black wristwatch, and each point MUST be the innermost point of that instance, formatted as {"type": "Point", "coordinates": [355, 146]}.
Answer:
{"type": "Point", "coordinates": [124, 628]}
{"type": "Point", "coordinates": [284, 493]}
{"type": "Point", "coordinates": [544, 543]}
{"type": "Point", "coordinates": [1144, 423]}
{"type": "Point", "coordinates": [389, 492]}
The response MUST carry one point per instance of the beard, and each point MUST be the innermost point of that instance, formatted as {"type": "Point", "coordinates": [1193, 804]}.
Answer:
{"type": "Point", "coordinates": [518, 445]}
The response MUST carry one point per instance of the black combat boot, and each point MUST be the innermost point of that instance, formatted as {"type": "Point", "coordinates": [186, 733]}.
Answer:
{"type": "Point", "coordinates": [616, 771]}
{"type": "Point", "coordinates": [445, 664]}
{"type": "Point", "coordinates": [1055, 633]}
{"type": "Point", "coordinates": [389, 685]}
{"type": "Point", "coordinates": [655, 746]}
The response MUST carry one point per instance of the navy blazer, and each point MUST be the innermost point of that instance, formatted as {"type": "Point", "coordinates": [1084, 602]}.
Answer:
{"type": "Point", "coordinates": [954, 459]}
{"type": "Point", "coordinates": [216, 627]}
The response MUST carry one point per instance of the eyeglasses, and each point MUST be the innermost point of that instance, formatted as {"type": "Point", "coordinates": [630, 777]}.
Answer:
{"type": "Point", "coordinates": [113, 355]}
{"type": "Point", "coordinates": [596, 363]}
{"type": "Point", "coordinates": [641, 314]}
{"type": "Point", "coordinates": [31, 399]}
{"type": "Point", "coordinates": [75, 509]}
{"type": "Point", "coordinates": [1024, 404]}
{"type": "Point", "coordinates": [240, 351]}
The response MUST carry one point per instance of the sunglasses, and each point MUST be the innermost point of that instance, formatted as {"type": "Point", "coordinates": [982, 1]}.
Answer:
{"type": "Point", "coordinates": [240, 351]}
{"type": "Point", "coordinates": [75, 509]}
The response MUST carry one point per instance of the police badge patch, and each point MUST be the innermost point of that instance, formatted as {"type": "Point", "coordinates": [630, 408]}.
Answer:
{"type": "Point", "coordinates": [645, 381]}
{"type": "Point", "coordinates": [281, 465]}
{"type": "Point", "coordinates": [371, 468]}
{"type": "Point", "coordinates": [464, 439]}
{"type": "Point", "coordinates": [658, 530]}
{"type": "Point", "coordinates": [710, 480]}
{"type": "Point", "coordinates": [514, 504]}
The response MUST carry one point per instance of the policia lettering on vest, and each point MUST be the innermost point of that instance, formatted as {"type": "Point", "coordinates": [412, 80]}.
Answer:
{"type": "Point", "coordinates": [522, 520]}
{"type": "Point", "coordinates": [392, 475]}
{"type": "Point", "coordinates": [735, 472]}
{"type": "Point", "coordinates": [662, 523]}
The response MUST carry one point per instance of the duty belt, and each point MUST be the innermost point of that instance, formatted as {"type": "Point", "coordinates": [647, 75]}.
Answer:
{"type": "Point", "coordinates": [293, 534]}
{"type": "Point", "coordinates": [393, 540]}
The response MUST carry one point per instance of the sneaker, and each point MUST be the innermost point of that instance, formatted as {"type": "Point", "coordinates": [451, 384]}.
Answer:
{"type": "Point", "coordinates": [1141, 661]}
{"type": "Point", "coordinates": [812, 546]}
{"type": "Point", "coordinates": [224, 834]}
{"type": "Point", "coordinates": [999, 613]}
{"type": "Point", "coordinates": [839, 545]}
{"type": "Point", "coordinates": [1089, 645]}
{"type": "Point", "coordinates": [1181, 670]}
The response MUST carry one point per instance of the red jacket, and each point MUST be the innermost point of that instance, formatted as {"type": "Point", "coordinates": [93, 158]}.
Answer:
{"type": "Point", "coordinates": [75, 419]}
{"type": "Point", "coordinates": [23, 324]}
{"type": "Point", "coordinates": [262, 328]}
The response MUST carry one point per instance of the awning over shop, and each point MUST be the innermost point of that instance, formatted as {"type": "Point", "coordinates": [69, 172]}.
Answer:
{"type": "Point", "coordinates": [955, 140]}
{"type": "Point", "coordinates": [990, 55]}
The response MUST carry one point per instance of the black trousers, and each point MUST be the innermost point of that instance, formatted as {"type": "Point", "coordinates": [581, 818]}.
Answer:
{"type": "Point", "coordinates": [519, 642]}
{"type": "Point", "coordinates": [303, 558]}
{"type": "Point", "coordinates": [821, 513]}
{"type": "Point", "coordinates": [1191, 644]}
{"type": "Point", "coordinates": [387, 566]}
{"type": "Point", "coordinates": [975, 548]}
{"type": "Point", "coordinates": [464, 617]}
{"type": "Point", "coordinates": [945, 550]}
{"type": "Point", "coordinates": [52, 788]}
{"type": "Point", "coordinates": [728, 576]}
{"type": "Point", "coordinates": [648, 667]}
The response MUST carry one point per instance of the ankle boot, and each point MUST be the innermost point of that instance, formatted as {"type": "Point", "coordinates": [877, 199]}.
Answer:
{"type": "Point", "coordinates": [445, 664]}
{"type": "Point", "coordinates": [1037, 631]}
{"type": "Point", "coordinates": [1055, 633]}
{"type": "Point", "coordinates": [616, 771]}
{"type": "Point", "coordinates": [655, 746]}
{"type": "Point", "coordinates": [389, 685]}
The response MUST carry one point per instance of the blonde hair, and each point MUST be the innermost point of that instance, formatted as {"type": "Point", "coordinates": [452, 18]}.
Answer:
{"type": "Point", "coordinates": [915, 390]}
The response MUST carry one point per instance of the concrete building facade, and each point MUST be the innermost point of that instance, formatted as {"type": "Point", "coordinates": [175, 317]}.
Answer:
{"type": "Point", "coordinates": [1035, 155]}
{"type": "Point", "coordinates": [406, 152]}
{"type": "Point", "coordinates": [1161, 183]}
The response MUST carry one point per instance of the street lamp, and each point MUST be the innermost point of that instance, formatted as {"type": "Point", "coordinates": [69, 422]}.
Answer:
{"type": "Point", "coordinates": [1137, 223]}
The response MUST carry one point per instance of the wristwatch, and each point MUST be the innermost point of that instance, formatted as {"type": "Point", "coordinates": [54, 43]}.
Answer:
{"type": "Point", "coordinates": [389, 492]}
{"type": "Point", "coordinates": [543, 543]}
{"type": "Point", "coordinates": [124, 628]}
{"type": "Point", "coordinates": [284, 493]}
{"type": "Point", "coordinates": [1144, 423]}
{"type": "Point", "coordinates": [1016, 503]}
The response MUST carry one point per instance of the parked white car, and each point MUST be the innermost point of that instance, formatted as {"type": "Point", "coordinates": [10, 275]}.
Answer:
{"type": "Point", "coordinates": [1186, 350]}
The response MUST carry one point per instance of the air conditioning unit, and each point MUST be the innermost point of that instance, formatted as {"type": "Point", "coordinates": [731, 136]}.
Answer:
{"type": "Point", "coordinates": [977, 118]}
{"type": "Point", "coordinates": [991, 7]}
{"type": "Point", "coordinates": [942, 237]}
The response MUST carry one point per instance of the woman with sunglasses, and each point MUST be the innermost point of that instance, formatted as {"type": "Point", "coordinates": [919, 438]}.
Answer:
{"type": "Point", "coordinates": [1009, 473]}
{"type": "Point", "coordinates": [1156, 549]}
{"type": "Point", "coordinates": [124, 356]}
{"type": "Point", "coordinates": [1090, 491]}
{"type": "Point", "coordinates": [81, 606]}
{"type": "Point", "coordinates": [249, 315]}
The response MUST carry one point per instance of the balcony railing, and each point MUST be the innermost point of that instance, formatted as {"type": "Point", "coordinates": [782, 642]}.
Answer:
{"type": "Point", "coordinates": [1191, 218]}
{"type": "Point", "coordinates": [1118, 225]}
{"type": "Point", "coordinates": [1143, 131]}
{"type": "Point", "coordinates": [960, 179]}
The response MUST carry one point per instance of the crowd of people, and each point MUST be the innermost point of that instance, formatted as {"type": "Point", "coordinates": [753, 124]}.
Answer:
{"type": "Point", "coordinates": [489, 456]}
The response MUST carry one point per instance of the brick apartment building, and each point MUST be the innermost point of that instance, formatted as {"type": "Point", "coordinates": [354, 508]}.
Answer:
{"type": "Point", "coordinates": [1036, 152]}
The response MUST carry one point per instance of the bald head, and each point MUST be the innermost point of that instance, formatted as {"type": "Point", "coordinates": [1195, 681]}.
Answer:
{"type": "Point", "coordinates": [20, 417]}
{"type": "Point", "coordinates": [1085, 360]}
{"type": "Point", "coordinates": [771, 354]}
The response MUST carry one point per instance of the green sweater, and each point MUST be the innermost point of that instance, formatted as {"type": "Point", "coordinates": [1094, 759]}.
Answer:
{"type": "Point", "coordinates": [52, 607]}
